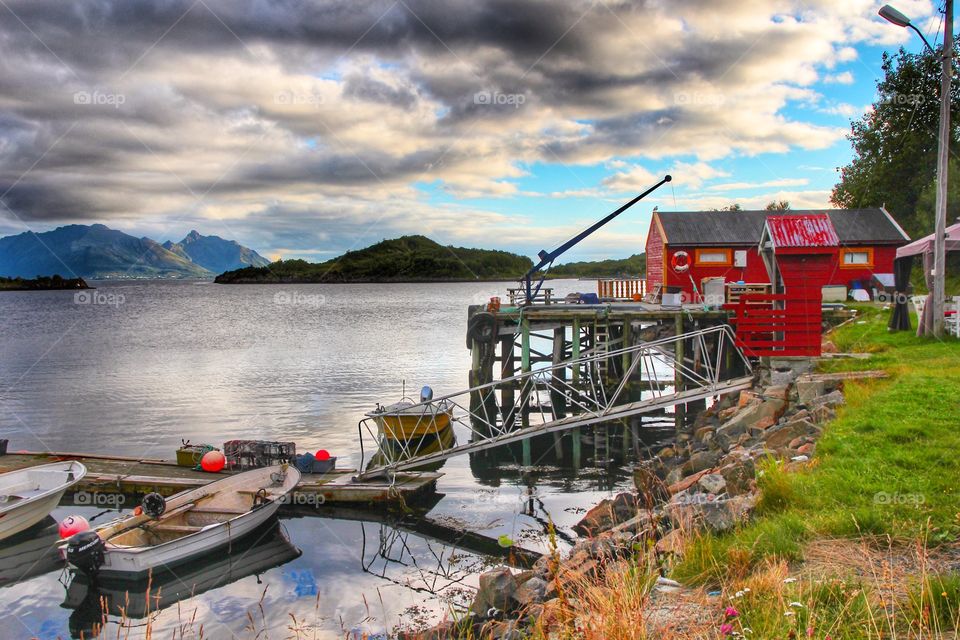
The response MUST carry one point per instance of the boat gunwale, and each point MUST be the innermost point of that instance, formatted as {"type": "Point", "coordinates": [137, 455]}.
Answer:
{"type": "Point", "coordinates": [62, 488]}
{"type": "Point", "coordinates": [211, 528]}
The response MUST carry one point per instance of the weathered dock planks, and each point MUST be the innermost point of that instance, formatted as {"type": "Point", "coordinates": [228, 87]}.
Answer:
{"type": "Point", "coordinates": [119, 475]}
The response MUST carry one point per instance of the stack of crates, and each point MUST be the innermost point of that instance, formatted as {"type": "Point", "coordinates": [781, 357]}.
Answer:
{"type": "Point", "coordinates": [253, 454]}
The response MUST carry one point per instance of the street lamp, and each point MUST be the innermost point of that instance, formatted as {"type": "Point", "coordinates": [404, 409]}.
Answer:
{"type": "Point", "coordinates": [943, 151]}
{"type": "Point", "coordinates": [890, 14]}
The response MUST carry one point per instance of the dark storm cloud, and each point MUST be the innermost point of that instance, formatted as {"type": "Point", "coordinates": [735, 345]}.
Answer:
{"type": "Point", "coordinates": [118, 108]}
{"type": "Point", "coordinates": [336, 169]}
{"type": "Point", "coordinates": [126, 27]}
{"type": "Point", "coordinates": [375, 91]}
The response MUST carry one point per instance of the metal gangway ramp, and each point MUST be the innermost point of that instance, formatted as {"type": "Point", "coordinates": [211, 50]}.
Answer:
{"type": "Point", "coordinates": [567, 395]}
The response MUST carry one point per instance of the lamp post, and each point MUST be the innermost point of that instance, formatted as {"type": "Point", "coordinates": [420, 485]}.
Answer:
{"type": "Point", "coordinates": [943, 153]}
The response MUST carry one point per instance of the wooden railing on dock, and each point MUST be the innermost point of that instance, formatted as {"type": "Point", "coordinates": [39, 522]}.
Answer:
{"type": "Point", "coordinates": [519, 296]}
{"type": "Point", "coordinates": [778, 324]}
{"type": "Point", "coordinates": [621, 288]}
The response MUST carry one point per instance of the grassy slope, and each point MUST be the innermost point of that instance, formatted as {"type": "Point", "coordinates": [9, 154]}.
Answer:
{"type": "Point", "coordinates": [899, 436]}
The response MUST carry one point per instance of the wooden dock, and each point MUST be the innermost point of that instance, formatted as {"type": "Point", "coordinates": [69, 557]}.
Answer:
{"type": "Point", "coordinates": [508, 340]}
{"type": "Point", "coordinates": [111, 476]}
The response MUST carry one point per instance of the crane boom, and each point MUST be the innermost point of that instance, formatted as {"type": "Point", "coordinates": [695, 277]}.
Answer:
{"type": "Point", "coordinates": [547, 258]}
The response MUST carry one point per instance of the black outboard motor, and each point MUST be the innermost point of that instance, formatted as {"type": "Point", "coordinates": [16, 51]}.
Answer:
{"type": "Point", "coordinates": [154, 505]}
{"type": "Point", "coordinates": [85, 552]}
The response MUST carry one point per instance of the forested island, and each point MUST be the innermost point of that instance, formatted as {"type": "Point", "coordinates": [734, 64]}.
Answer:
{"type": "Point", "coordinates": [406, 259]}
{"type": "Point", "coordinates": [41, 283]}
{"type": "Point", "coordinates": [635, 265]}
{"type": "Point", "coordinates": [420, 259]}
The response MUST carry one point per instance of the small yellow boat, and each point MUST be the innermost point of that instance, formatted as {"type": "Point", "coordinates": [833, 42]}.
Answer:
{"type": "Point", "coordinates": [407, 420]}
{"type": "Point", "coordinates": [396, 451]}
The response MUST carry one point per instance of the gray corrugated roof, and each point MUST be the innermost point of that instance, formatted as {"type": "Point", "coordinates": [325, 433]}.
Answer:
{"type": "Point", "coordinates": [744, 227]}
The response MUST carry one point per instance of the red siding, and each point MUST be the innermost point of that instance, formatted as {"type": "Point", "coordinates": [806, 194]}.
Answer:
{"type": "Point", "coordinates": [756, 271]}
{"type": "Point", "coordinates": [654, 256]}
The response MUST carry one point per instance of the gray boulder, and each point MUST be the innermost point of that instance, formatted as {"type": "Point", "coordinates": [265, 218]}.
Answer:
{"type": "Point", "coordinates": [532, 591]}
{"type": "Point", "coordinates": [700, 461]}
{"type": "Point", "coordinates": [739, 476]}
{"type": "Point", "coordinates": [608, 514]}
{"type": "Point", "coordinates": [712, 483]}
{"type": "Point", "coordinates": [780, 436]}
{"type": "Point", "coordinates": [496, 591]}
{"type": "Point", "coordinates": [718, 515]}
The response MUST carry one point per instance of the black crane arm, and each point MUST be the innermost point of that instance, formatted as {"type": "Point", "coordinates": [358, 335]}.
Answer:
{"type": "Point", "coordinates": [547, 258]}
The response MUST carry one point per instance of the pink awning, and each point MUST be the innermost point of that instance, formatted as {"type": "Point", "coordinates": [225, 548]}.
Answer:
{"type": "Point", "coordinates": [925, 244]}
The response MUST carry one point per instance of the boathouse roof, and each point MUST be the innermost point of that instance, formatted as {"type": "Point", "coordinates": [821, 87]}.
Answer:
{"type": "Point", "coordinates": [853, 226]}
{"type": "Point", "coordinates": [802, 231]}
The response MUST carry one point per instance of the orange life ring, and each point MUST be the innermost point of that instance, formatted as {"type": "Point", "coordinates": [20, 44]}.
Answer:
{"type": "Point", "coordinates": [680, 261]}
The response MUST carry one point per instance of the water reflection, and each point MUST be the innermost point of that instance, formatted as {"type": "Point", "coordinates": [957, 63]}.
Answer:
{"type": "Point", "coordinates": [30, 553]}
{"type": "Point", "coordinates": [134, 381]}
{"type": "Point", "coordinates": [96, 603]}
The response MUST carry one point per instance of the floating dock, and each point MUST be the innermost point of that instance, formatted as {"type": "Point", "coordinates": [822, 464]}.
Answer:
{"type": "Point", "coordinates": [111, 476]}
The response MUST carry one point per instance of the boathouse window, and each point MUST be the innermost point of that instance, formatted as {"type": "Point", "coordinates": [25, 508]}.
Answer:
{"type": "Point", "coordinates": [854, 258]}
{"type": "Point", "coordinates": [714, 257]}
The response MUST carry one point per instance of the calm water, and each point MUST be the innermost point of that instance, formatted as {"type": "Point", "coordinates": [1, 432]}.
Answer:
{"type": "Point", "coordinates": [134, 367]}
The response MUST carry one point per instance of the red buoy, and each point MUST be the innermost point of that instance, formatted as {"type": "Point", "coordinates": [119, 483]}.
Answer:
{"type": "Point", "coordinates": [72, 525]}
{"type": "Point", "coordinates": [322, 455]}
{"type": "Point", "coordinates": [213, 461]}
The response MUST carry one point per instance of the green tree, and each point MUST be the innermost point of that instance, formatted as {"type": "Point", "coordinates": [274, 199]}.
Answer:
{"type": "Point", "coordinates": [778, 205]}
{"type": "Point", "coordinates": [895, 144]}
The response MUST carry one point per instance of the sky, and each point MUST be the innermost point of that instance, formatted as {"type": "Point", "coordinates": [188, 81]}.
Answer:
{"type": "Point", "coordinates": [304, 129]}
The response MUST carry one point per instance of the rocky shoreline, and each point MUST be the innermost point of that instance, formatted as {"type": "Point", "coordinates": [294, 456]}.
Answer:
{"type": "Point", "coordinates": [706, 480]}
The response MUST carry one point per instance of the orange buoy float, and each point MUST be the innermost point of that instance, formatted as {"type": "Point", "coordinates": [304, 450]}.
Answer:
{"type": "Point", "coordinates": [213, 461]}
{"type": "Point", "coordinates": [322, 455]}
{"type": "Point", "coordinates": [72, 525]}
{"type": "Point", "coordinates": [680, 261]}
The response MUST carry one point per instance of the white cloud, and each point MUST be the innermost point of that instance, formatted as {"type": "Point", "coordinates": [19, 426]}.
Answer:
{"type": "Point", "coordinates": [318, 116]}
{"type": "Point", "coordinates": [741, 186]}
{"type": "Point", "coordinates": [843, 109]}
{"type": "Point", "coordinates": [845, 77]}
{"type": "Point", "coordinates": [809, 199]}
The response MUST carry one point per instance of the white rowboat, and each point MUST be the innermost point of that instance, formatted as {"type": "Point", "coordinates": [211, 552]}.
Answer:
{"type": "Point", "coordinates": [27, 496]}
{"type": "Point", "coordinates": [194, 523]}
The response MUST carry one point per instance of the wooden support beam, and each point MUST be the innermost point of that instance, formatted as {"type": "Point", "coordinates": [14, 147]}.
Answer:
{"type": "Point", "coordinates": [525, 367]}
{"type": "Point", "coordinates": [680, 415]}
{"type": "Point", "coordinates": [507, 370]}
{"type": "Point", "coordinates": [575, 375]}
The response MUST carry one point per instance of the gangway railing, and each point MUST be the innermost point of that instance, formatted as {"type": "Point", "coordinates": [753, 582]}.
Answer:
{"type": "Point", "coordinates": [562, 396]}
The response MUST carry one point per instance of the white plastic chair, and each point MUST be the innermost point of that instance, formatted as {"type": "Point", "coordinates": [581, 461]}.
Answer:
{"type": "Point", "coordinates": [918, 302]}
{"type": "Point", "coordinates": [952, 321]}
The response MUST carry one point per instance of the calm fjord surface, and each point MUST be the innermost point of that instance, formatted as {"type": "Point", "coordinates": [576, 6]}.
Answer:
{"type": "Point", "coordinates": [143, 364]}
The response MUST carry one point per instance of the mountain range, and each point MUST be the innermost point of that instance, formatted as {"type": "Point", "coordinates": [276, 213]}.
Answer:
{"type": "Point", "coordinates": [98, 252]}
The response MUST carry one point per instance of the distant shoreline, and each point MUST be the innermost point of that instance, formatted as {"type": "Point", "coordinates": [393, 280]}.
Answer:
{"type": "Point", "coordinates": [403, 280]}
{"type": "Point", "coordinates": [54, 283]}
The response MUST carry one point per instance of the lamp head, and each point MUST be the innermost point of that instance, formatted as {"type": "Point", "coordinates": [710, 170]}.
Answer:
{"type": "Point", "coordinates": [890, 14]}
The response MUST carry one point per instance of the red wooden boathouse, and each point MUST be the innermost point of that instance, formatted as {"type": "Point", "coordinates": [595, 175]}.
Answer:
{"type": "Point", "coordinates": [799, 253]}
{"type": "Point", "coordinates": [686, 247]}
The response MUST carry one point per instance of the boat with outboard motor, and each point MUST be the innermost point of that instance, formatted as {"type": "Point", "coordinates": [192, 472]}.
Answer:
{"type": "Point", "coordinates": [166, 532]}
